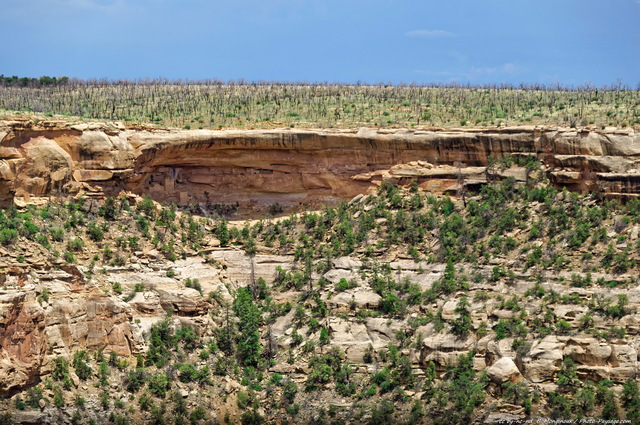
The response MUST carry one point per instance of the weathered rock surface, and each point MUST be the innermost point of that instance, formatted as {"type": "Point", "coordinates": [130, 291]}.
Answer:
{"type": "Point", "coordinates": [85, 314]}
{"type": "Point", "coordinates": [504, 370]}
{"type": "Point", "coordinates": [291, 166]}
{"type": "Point", "coordinates": [36, 330]}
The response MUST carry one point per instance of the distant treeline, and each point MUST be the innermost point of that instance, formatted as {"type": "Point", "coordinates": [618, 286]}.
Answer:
{"type": "Point", "coordinates": [32, 82]}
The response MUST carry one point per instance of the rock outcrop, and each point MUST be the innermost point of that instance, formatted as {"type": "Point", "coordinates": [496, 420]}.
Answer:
{"type": "Point", "coordinates": [36, 328]}
{"type": "Point", "coordinates": [291, 166]}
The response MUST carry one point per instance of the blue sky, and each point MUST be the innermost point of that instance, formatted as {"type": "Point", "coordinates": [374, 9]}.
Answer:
{"type": "Point", "coordinates": [571, 42]}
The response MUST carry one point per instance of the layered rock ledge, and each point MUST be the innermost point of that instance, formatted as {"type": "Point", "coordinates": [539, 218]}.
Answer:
{"type": "Point", "coordinates": [295, 166]}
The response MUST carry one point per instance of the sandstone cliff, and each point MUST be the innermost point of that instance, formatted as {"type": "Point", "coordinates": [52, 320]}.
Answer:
{"type": "Point", "coordinates": [293, 166]}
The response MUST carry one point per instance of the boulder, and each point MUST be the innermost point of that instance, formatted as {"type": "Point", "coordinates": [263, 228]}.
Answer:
{"type": "Point", "coordinates": [543, 360]}
{"type": "Point", "coordinates": [504, 370]}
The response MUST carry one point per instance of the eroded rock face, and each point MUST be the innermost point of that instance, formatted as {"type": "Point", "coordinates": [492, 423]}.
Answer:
{"type": "Point", "coordinates": [36, 329]}
{"type": "Point", "coordinates": [83, 313]}
{"type": "Point", "coordinates": [292, 166]}
{"type": "Point", "coordinates": [22, 343]}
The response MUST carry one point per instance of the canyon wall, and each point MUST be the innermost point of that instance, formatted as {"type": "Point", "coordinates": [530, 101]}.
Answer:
{"type": "Point", "coordinates": [291, 166]}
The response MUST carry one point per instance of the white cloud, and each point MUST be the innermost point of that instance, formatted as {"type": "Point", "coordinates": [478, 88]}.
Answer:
{"type": "Point", "coordinates": [507, 68]}
{"type": "Point", "coordinates": [109, 6]}
{"type": "Point", "coordinates": [475, 73]}
{"type": "Point", "coordinates": [14, 9]}
{"type": "Point", "coordinates": [429, 33]}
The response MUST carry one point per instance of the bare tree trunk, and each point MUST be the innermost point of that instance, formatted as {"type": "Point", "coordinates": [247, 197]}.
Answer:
{"type": "Point", "coordinates": [272, 348]}
{"type": "Point", "coordinates": [462, 189]}
{"type": "Point", "coordinates": [254, 285]}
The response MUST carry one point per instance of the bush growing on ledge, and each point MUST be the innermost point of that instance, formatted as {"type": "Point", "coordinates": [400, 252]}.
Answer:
{"type": "Point", "coordinates": [34, 395]}
{"type": "Point", "coordinates": [8, 236]}
{"type": "Point", "coordinates": [95, 232]}
{"type": "Point", "coordinates": [194, 284]}
{"type": "Point", "coordinates": [61, 372]}
{"type": "Point", "coordinates": [161, 342]}
{"type": "Point", "coordinates": [462, 324]}
{"type": "Point", "coordinates": [82, 368]}
{"type": "Point", "coordinates": [345, 284]}
{"type": "Point", "coordinates": [75, 244]}
{"type": "Point", "coordinates": [136, 379]}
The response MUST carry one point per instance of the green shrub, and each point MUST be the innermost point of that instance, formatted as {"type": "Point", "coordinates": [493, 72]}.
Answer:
{"type": "Point", "coordinates": [103, 373]}
{"type": "Point", "coordinates": [563, 327]}
{"type": "Point", "coordinates": [95, 233]}
{"type": "Point", "coordinates": [57, 234]}
{"type": "Point", "coordinates": [161, 341]}
{"type": "Point", "coordinates": [75, 244]}
{"type": "Point", "coordinates": [135, 380]}
{"type": "Point", "coordinates": [61, 372]}
{"type": "Point", "coordinates": [345, 284]}
{"type": "Point", "coordinates": [567, 376]}
{"type": "Point", "coordinates": [249, 338]}
{"type": "Point", "coordinates": [390, 304]}
{"type": "Point", "coordinates": [147, 206]}
{"type": "Point", "coordinates": [197, 414]}
{"type": "Point", "coordinates": [110, 209]}
{"type": "Point", "coordinates": [8, 236]}
{"type": "Point", "coordinates": [34, 395]}
{"type": "Point", "coordinates": [289, 391]}
{"type": "Point", "coordinates": [20, 404]}
{"type": "Point", "coordinates": [324, 336]}
{"type": "Point", "coordinates": [44, 295]}
{"type": "Point", "coordinates": [194, 284]}
{"type": "Point", "coordinates": [145, 402]}
{"type": "Point", "coordinates": [158, 385]}
{"type": "Point", "coordinates": [58, 399]}
{"type": "Point", "coordinates": [81, 366]}
{"type": "Point", "coordinates": [463, 323]}
{"type": "Point", "coordinates": [69, 257]}
{"type": "Point", "coordinates": [251, 417]}
{"type": "Point", "coordinates": [382, 414]}
{"type": "Point", "coordinates": [188, 372]}
{"type": "Point", "coordinates": [44, 241]}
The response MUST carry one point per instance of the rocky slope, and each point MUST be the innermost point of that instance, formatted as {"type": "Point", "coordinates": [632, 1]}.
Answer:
{"type": "Point", "coordinates": [350, 324]}
{"type": "Point", "coordinates": [292, 167]}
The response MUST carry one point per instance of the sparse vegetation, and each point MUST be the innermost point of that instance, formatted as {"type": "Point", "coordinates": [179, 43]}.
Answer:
{"type": "Point", "coordinates": [418, 266]}
{"type": "Point", "coordinates": [214, 104]}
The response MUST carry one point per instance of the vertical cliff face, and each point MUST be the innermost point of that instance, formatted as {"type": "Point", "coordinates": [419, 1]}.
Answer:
{"type": "Point", "coordinates": [34, 330]}
{"type": "Point", "coordinates": [293, 166]}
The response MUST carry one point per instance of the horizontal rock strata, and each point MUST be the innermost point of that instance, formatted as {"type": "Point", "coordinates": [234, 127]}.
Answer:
{"type": "Point", "coordinates": [294, 166]}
